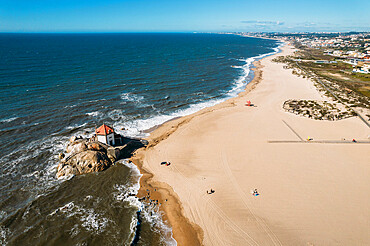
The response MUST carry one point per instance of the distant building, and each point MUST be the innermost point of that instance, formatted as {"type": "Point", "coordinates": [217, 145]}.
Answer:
{"type": "Point", "coordinates": [362, 69]}
{"type": "Point", "coordinates": [337, 53]}
{"type": "Point", "coordinates": [353, 61]}
{"type": "Point", "coordinates": [105, 134]}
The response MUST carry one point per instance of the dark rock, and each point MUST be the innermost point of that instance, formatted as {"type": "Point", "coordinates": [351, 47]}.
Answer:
{"type": "Point", "coordinates": [114, 153]}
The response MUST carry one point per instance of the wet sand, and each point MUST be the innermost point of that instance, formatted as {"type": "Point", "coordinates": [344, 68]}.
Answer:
{"type": "Point", "coordinates": [310, 194]}
{"type": "Point", "coordinates": [184, 231]}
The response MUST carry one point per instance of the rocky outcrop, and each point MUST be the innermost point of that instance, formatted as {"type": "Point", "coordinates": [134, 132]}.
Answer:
{"type": "Point", "coordinates": [84, 162]}
{"type": "Point", "coordinates": [85, 156]}
{"type": "Point", "coordinates": [97, 147]}
{"type": "Point", "coordinates": [77, 146]}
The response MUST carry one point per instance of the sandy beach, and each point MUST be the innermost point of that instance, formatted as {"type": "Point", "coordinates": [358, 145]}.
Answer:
{"type": "Point", "coordinates": [310, 193]}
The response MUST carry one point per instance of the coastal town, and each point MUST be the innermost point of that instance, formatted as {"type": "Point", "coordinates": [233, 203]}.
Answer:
{"type": "Point", "coordinates": [351, 47]}
{"type": "Point", "coordinates": [337, 63]}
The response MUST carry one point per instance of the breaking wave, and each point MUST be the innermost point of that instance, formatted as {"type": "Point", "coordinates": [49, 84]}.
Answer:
{"type": "Point", "coordinates": [176, 84]}
{"type": "Point", "coordinates": [138, 128]}
{"type": "Point", "coordinates": [129, 97]}
{"type": "Point", "coordinates": [149, 213]}
{"type": "Point", "coordinates": [8, 120]}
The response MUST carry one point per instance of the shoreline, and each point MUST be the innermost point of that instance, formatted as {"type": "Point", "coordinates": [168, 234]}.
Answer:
{"type": "Point", "coordinates": [148, 125]}
{"type": "Point", "coordinates": [184, 231]}
{"type": "Point", "coordinates": [227, 148]}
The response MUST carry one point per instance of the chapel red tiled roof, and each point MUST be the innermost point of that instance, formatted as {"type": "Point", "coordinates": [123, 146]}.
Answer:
{"type": "Point", "coordinates": [104, 130]}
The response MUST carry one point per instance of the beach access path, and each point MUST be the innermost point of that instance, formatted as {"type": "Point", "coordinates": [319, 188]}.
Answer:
{"type": "Point", "coordinates": [316, 193]}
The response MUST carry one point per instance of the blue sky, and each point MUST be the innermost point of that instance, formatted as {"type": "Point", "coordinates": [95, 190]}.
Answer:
{"type": "Point", "coordinates": [183, 16]}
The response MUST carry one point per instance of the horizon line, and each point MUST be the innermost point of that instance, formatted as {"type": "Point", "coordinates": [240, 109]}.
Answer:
{"type": "Point", "coordinates": [143, 32]}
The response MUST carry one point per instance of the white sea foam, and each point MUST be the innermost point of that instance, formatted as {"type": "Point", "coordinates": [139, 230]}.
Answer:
{"type": "Point", "coordinates": [135, 128]}
{"type": "Point", "coordinates": [44, 173]}
{"type": "Point", "coordinates": [76, 126]}
{"type": "Point", "coordinates": [134, 98]}
{"type": "Point", "coordinates": [116, 115]}
{"type": "Point", "coordinates": [133, 225]}
{"type": "Point", "coordinates": [97, 100]}
{"type": "Point", "coordinates": [241, 82]}
{"type": "Point", "coordinates": [3, 214]}
{"type": "Point", "coordinates": [93, 114]}
{"type": "Point", "coordinates": [40, 175]}
{"type": "Point", "coordinates": [150, 214]}
{"type": "Point", "coordinates": [4, 234]}
{"type": "Point", "coordinates": [8, 120]}
{"type": "Point", "coordinates": [91, 221]}
{"type": "Point", "coordinates": [124, 193]}
{"type": "Point", "coordinates": [74, 231]}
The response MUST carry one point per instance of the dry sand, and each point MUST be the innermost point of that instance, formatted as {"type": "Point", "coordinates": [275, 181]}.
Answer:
{"type": "Point", "coordinates": [310, 193]}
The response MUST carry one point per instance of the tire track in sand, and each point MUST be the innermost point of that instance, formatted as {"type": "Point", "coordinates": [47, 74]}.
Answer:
{"type": "Point", "coordinates": [260, 222]}
{"type": "Point", "coordinates": [218, 210]}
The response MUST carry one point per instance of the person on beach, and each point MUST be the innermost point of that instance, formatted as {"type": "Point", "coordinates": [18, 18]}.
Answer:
{"type": "Point", "coordinates": [255, 192]}
{"type": "Point", "coordinates": [210, 192]}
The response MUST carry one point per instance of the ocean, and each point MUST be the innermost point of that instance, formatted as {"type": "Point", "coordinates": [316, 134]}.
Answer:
{"type": "Point", "coordinates": [54, 86]}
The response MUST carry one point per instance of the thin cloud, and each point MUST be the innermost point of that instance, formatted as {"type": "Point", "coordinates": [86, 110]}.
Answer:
{"type": "Point", "coordinates": [264, 23]}
{"type": "Point", "coordinates": [307, 24]}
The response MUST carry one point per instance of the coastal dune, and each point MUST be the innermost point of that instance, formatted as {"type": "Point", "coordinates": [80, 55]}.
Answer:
{"type": "Point", "coordinates": [310, 193]}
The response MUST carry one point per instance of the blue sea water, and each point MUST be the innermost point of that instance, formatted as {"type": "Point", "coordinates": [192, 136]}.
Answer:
{"type": "Point", "coordinates": [53, 86]}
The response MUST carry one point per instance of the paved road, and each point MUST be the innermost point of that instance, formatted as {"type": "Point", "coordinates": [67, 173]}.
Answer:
{"type": "Point", "coordinates": [320, 141]}
{"type": "Point", "coordinates": [293, 130]}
